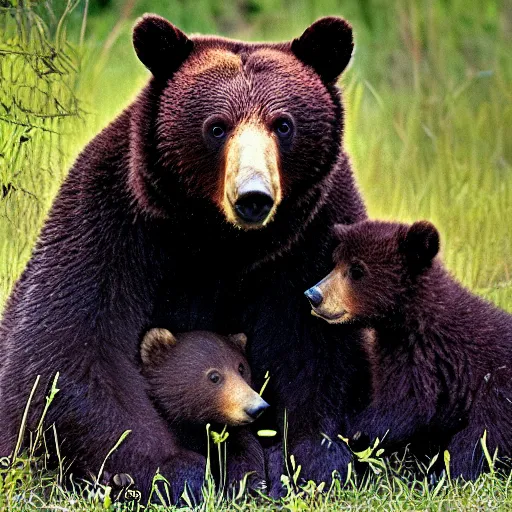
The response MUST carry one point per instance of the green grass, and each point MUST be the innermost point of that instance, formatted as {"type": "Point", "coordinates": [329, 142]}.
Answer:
{"type": "Point", "coordinates": [429, 129]}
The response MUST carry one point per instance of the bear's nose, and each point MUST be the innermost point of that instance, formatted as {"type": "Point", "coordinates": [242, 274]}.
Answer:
{"type": "Point", "coordinates": [254, 207]}
{"type": "Point", "coordinates": [257, 410]}
{"type": "Point", "coordinates": [314, 296]}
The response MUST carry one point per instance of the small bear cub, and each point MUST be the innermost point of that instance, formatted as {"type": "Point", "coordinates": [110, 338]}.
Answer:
{"type": "Point", "coordinates": [200, 377]}
{"type": "Point", "coordinates": [440, 357]}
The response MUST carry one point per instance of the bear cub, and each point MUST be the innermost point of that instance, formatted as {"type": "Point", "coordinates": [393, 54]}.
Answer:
{"type": "Point", "coordinates": [200, 377]}
{"type": "Point", "coordinates": [440, 357]}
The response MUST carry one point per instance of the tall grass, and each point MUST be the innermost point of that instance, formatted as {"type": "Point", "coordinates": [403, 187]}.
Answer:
{"type": "Point", "coordinates": [38, 104]}
{"type": "Point", "coordinates": [443, 149]}
{"type": "Point", "coordinates": [429, 117]}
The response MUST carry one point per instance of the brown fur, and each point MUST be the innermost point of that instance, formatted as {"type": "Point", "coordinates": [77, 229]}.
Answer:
{"type": "Point", "coordinates": [440, 356]}
{"type": "Point", "coordinates": [177, 369]}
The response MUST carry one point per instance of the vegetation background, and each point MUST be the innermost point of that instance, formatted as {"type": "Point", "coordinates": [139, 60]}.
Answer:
{"type": "Point", "coordinates": [429, 129]}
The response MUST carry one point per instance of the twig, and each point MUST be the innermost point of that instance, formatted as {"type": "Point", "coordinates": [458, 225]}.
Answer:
{"type": "Point", "coordinates": [28, 125]}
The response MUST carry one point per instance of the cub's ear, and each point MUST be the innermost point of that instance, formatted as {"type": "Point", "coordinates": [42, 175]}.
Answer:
{"type": "Point", "coordinates": [421, 244]}
{"type": "Point", "coordinates": [240, 340]}
{"type": "Point", "coordinates": [160, 46]}
{"type": "Point", "coordinates": [326, 46]}
{"type": "Point", "coordinates": [155, 343]}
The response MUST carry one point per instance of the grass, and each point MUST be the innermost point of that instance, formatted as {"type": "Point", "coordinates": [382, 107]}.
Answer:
{"type": "Point", "coordinates": [429, 117]}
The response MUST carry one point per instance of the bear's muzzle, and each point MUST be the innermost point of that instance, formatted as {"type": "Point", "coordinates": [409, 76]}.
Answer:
{"type": "Point", "coordinates": [252, 182]}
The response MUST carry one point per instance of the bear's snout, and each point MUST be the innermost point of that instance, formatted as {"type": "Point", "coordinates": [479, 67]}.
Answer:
{"type": "Point", "coordinates": [314, 295]}
{"type": "Point", "coordinates": [240, 404]}
{"type": "Point", "coordinates": [331, 298]}
{"type": "Point", "coordinates": [252, 181]}
{"type": "Point", "coordinates": [256, 410]}
{"type": "Point", "coordinates": [254, 206]}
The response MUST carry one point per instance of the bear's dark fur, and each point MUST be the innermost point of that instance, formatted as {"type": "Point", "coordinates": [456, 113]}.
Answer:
{"type": "Point", "coordinates": [199, 378]}
{"type": "Point", "coordinates": [440, 356]}
{"type": "Point", "coordinates": [144, 233]}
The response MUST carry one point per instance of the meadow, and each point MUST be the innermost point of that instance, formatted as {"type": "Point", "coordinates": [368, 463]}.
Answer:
{"type": "Point", "coordinates": [429, 128]}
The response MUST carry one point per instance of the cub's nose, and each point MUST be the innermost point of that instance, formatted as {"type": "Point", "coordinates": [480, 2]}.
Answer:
{"type": "Point", "coordinates": [257, 410]}
{"type": "Point", "coordinates": [314, 296]}
{"type": "Point", "coordinates": [253, 207]}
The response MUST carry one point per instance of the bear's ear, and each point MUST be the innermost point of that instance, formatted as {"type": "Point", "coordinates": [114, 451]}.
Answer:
{"type": "Point", "coordinates": [421, 244]}
{"type": "Point", "coordinates": [156, 342]}
{"type": "Point", "coordinates": [160, 46]}
{"type": "Point", "coordinates": [326, 46]}
{"type": "Point", "coordinates": [240, 340]}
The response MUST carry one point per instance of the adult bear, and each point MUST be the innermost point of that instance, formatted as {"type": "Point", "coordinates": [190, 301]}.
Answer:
{"type": "Point", "coordinates": [206, 205]}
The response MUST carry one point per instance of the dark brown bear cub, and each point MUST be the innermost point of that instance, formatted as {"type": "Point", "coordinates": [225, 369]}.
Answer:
{"type": "Point", "coordinates": [440, 356]}
{"type": "Point", "coordinates": [199, 377]}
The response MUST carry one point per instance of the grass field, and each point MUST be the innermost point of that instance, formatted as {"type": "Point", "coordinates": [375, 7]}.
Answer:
{"type": "Point", "coordinates": [429, 129]}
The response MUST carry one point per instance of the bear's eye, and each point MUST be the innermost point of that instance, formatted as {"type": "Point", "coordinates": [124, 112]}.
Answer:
{"type": "Point", "coordinates": [218, 131]}
{"type": "Point", "coordinates": [241, 368]}
{"type": "Point", "coordinates": [284, 128]}
{"type": "Point", "coordinates": [356, 271]}
{"type": "Point", "coordinates": [214, 377]}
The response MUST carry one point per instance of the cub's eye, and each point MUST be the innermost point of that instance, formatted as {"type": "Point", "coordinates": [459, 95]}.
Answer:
{"type": "Point", "coordinates": [218, 131]}
{"type": "Point", "coordinates": [356, 271]}
{"type": "Point", "coordinates": [241, 368]}
{"type": "Point", "coordinates": [284, 128]}
{"type": "Point", "coordinates": [214, 377]}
